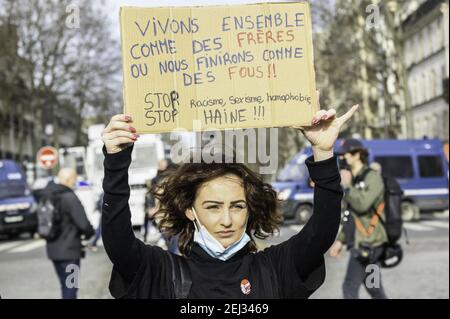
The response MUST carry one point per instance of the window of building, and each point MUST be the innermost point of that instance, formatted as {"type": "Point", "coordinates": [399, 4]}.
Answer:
{"type": "Point", "coordinates": [434, 84]}
{"type": "Point", "coordinates": [443, 77]}
{"type": "Point", "coordinates": [417, 127]}
{"type": "Point", "coordinates": [427, 45]}
{"type": "Point", "coordinates": [445, 122]}
{"type": "Point", "coordinates": [419, 48]}
{"type": "Point", "coordinates": [440, 35]}
{"type": "Point", "coordinates": [424, 131]}
{"type": "Point", "coordinates": [423, 128]}
{"type": "Point", "coordinates": [407, 52]}
{"type": "Point", "coordinates": [438, 80]}
{"type": "Point", "coordinates": [427, 82]}
{"type": "Point", "coordinates": [413, 91]}
{"type": "Point", "coordinates": [435, 125]}
{"type": "Point", "coordinates": [417, 93]}
{"type": "Point", "coordinates": [422, 88]}
{"type": "Point", "coordinates": [436, 37]}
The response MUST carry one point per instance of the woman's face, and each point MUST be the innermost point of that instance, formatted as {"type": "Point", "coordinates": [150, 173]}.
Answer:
{"type": "Point", "coordinates": [221, 207]}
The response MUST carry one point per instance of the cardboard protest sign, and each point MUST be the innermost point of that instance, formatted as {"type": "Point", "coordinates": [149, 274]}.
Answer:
{"type": "Point", "coordinates": [218, 67]}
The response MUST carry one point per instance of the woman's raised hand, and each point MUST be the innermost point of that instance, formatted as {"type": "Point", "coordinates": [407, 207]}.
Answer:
{"type": "Point", "coordinates": [325, 128]}
{"type": "Point", "coordinates": [119, 134]}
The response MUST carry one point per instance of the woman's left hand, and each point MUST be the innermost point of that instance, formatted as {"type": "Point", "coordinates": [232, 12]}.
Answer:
{"type": "Point", "coordinates": [325, 128]}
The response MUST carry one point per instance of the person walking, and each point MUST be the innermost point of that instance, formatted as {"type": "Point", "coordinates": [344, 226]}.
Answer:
{"type": "Point", "coordinates": [363, 232]}
{"type": "Point", "coordinates": [66, 250]}
{"type": "Point", "coordinates": [98, 231]}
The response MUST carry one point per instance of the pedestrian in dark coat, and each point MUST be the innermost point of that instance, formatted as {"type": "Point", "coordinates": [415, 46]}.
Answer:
{"type": "Point", "coordinates": [66, 250]}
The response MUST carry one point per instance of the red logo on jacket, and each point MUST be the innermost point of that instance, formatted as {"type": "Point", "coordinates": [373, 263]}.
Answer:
{"type": "Point", "coordinates": [246, 287]}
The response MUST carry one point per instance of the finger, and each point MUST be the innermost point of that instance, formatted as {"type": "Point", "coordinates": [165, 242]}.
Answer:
{"type": "Point", "coordinates": [330, 114]}
{"type": "Point", "coordinates": [118, 118]}
{"type": "Point", "coordinates": [317, 117]}
{"type": "Point", "coordinates": [121, 117]}
{"type": "Point", "coordinates": [344, 118]}
{"type": "Point", "coordinates": [320, 114]}
{"type": "Point", "coordinates": [119, 125]}
{"type": "Point", "coordinates": [326, 116]}
{"type": "Point", "coordinates": [121, 141]}
{"type": "Point", "coordinates": [117, 134]}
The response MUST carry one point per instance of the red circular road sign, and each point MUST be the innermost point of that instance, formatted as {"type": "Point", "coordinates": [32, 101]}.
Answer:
{"type": "Point", "coordinates": [47, 157]}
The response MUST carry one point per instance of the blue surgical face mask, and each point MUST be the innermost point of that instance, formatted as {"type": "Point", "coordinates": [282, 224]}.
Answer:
{"type": "Point", "coordinates": [212, 246]}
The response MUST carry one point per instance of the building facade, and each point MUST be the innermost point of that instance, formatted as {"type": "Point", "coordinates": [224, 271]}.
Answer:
{"type": "Point", "coordinates": [426, 56]}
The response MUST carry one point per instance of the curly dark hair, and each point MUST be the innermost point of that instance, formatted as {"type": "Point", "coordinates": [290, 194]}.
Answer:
{"type": "Point", "coordinates": [177, 193]}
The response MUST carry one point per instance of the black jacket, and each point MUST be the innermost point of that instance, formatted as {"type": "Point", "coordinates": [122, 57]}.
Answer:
{"type": "Point", "coordinates": [67, 246]}
{"type": "Point", "coordinates": [292, 269]}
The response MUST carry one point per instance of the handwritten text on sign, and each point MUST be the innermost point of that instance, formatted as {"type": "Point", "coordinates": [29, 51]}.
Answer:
{"type": "Point", "coordinates": [204, 68]}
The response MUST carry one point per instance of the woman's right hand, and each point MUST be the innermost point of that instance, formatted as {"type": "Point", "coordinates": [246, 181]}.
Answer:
{"type": "Point", "coordinates": [119, 134]}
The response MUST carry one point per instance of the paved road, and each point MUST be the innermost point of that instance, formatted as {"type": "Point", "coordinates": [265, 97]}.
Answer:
{"type": "Point", "coordinates": [424, 273]}
{"type": "Point", "coordinates": [27, 273]}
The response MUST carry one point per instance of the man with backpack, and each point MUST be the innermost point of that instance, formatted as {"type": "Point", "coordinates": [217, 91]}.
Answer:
{"type": "Point", "coordinates": [365, 223]}
{"type": "Point", "coordinates": [62, 222]}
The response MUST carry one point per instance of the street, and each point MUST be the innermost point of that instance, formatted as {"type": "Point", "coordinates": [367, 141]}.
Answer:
{"type": "Point", "coordinates": [28, 274]}
{"type": "Point", "coordinates": [424, 272]}
{"type": "Point", "coordinates": [236, 106]}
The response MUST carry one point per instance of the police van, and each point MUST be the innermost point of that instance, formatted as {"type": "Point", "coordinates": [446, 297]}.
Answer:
{"type": "Point", "coordinates": [420, 167]}
{"type": "Point", "coordinates": [17, 204]}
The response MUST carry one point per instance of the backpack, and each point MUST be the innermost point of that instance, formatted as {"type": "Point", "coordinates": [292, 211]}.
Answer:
{"type": "Point", "coordinates": [49, 217]}
{"type": "Point", "coordinates": [393, 223]}
{"type": "Point", "coordinates": [393, 209]}
{"type": "Point", "coordinates": [181, 276]}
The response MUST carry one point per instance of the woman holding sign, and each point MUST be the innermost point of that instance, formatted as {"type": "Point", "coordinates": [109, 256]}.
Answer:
{"type": "Point", "coordinates": [217, 210]}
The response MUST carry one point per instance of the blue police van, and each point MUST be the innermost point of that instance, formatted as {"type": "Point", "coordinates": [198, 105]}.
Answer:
{"type": "Point", "coordinates": [419, 166]}
{"type": "Point", "coordinates": [17, 204]}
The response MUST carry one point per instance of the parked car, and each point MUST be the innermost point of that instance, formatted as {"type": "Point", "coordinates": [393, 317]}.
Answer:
{"type": "Point", "coordinates": [17, 204]}
{"type": "Point", "coordinates": [420, 167]}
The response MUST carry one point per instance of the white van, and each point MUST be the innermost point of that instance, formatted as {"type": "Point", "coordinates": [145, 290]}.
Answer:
{"type": "Point", "coordinates": [147, 152]}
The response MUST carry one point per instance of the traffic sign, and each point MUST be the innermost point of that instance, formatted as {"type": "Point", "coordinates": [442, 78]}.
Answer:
{"type": "Point", "coordinates": [47, 157]}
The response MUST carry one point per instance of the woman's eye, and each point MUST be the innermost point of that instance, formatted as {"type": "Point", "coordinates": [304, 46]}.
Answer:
{"type": "Point", "coordinates": [239, 207]}
{"type": "Point", "coordinates": [212, 207]}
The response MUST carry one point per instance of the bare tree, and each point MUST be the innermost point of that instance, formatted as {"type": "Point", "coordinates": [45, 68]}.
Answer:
{"type": "Point", "coordinates": [361, 63]}
{"type": "Point", "coordinates": [67, 56]}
